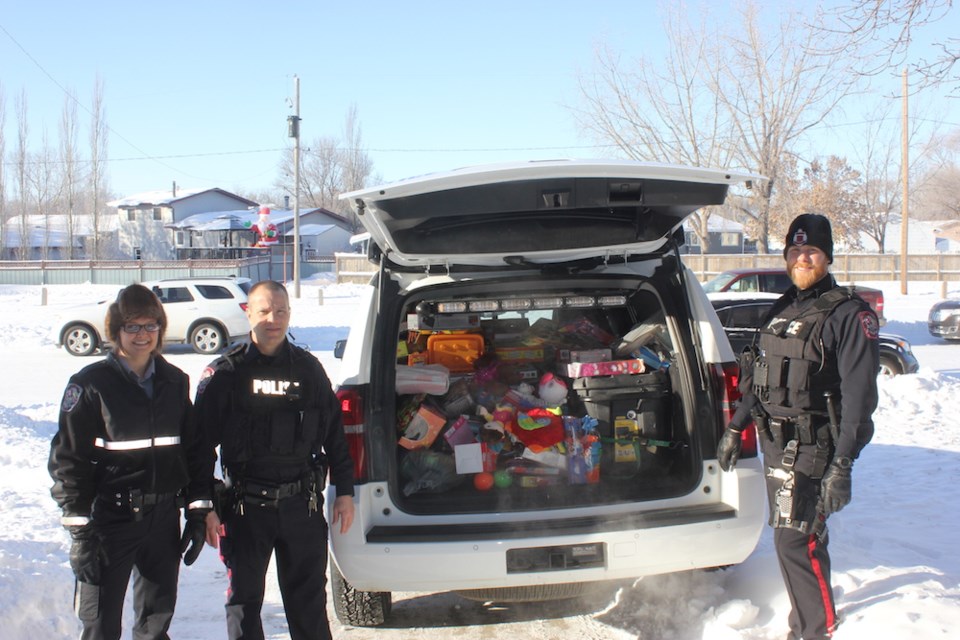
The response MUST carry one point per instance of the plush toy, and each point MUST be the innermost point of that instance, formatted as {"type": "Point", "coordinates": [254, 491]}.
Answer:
{"type": "Point", "coordinates": [552, 390]}
{"type": "Point", "coordinates": [267, 234]}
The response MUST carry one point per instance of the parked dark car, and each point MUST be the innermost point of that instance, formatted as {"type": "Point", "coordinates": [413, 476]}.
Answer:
{"type": "Point", "coordinates": [944, 320]}
{"type": "Point", "coordinates": [742, 313]}
{"type": "Point", "coordinates": [776, 280]}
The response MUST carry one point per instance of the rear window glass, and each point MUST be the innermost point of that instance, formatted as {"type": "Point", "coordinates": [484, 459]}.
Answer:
{"type": "Point", "coordinates": [776, 282]}
{"type": "Point", "coordinates": [214, 292]}
{"type": "Point", "coordinates": [169, 295]}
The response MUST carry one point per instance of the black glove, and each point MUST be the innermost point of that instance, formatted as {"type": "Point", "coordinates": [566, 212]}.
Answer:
{"type": "Point", "coordinates": [194, 533]}
{"type": "Point", "coordinates": [836, 486]}
{"type": "Point", "coordinates": [85, 554]}
{"type": "Point", "coordinates": [728, 451]}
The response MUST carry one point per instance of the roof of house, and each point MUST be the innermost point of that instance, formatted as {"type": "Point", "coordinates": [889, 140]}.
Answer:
{"type": "Point", "coordinates": [312, 229]}
{"type": "Point", "coordinates": [168, 197]}
{"type": "Point", "coordinates": [228, 220]}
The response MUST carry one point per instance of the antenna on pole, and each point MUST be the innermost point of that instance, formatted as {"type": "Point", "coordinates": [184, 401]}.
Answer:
{"type": "Point", "coordinates": [293, 131]}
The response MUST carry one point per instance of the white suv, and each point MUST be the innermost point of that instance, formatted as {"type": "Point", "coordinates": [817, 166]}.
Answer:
{"type": "Point", "coordinates": [497, 288]}
{"type": "Point", "coordinates": [207, 313]}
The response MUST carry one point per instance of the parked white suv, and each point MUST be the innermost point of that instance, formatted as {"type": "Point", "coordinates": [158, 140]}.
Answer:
{"type": "Point", "coordinates": [535, 386]}
{"type": "Point", "coordinates": [207, 313]}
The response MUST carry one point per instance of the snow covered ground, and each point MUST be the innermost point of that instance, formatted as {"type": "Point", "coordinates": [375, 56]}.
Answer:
{"type": "Point", "coordinates": [896, 567]}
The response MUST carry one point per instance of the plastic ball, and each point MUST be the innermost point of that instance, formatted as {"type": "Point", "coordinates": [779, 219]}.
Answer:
{"type": "Point", "coordinates": [502, 479]}
{"type": "Point", "coordinates": [483, 481]}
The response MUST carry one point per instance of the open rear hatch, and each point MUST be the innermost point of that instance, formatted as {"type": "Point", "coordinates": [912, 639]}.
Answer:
{"type": "Point", "coordinates": [533, 387]}
{"type": "Point", "coordinates": [538, 211]}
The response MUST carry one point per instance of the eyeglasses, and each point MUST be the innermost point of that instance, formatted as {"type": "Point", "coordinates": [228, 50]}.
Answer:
{"type": "Point", "coordinates": [132, 327]}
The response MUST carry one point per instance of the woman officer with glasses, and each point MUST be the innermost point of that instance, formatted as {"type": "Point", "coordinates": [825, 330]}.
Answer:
{"type": "Point", "coordinates": [127, 446]}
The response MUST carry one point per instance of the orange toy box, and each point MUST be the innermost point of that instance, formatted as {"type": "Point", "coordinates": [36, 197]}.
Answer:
{"type": "Point", "coordinates": [456, 351]}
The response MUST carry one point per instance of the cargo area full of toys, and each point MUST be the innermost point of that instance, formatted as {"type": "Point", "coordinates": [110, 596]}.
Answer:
{"type": "Point", "coordinates": [505, 406]}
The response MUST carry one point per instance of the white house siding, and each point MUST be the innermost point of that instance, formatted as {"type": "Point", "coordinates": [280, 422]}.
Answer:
{"type": "Point", "coordinates": [156, 242]}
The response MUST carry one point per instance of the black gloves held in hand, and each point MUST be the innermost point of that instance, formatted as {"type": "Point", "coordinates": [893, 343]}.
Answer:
{"type": "Point", "coordinates": [194, 534]}
{"type": "Point", "coordinates": [836, 486]}
{"type": "Point", "coordinates": [85, 554]}
{"type": "Point", "coordinates": [728, 451]}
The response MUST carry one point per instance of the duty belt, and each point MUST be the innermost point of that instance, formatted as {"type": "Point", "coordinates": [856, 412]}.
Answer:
{"type": "Point", "coordinates": [805, 429]}
{"type": "Point", "coordinates": [136, 500]}
{"type": "Point", "coordinates": [260, 493]}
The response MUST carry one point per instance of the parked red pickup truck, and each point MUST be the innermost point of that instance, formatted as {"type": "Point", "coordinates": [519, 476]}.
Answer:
{"type": "Point", "coordinates": [776, 280]}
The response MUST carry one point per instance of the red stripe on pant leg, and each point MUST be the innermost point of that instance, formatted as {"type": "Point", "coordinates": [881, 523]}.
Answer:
{"type": "Point", "coordinates": [825, 592]}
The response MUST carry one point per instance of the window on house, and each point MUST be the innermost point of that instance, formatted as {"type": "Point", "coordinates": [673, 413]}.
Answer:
{"type": "Point", "coordinates": [131, 215]}
{"type": "Point", "coordinates": [179, 238]}
{"type": "Point", "coordinates": [729, 239]}
{"type": "Point", "coordinates": [157, 214]}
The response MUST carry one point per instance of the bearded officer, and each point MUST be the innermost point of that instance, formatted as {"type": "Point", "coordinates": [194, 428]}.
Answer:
{"type": "Point", "coordinates": [271, 408]}
{"type": "Point", "coordinates": [811, 389]}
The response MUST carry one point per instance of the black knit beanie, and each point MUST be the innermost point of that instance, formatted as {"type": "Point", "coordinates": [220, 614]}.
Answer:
{"type": "Point", "coordinates": [810, 229]}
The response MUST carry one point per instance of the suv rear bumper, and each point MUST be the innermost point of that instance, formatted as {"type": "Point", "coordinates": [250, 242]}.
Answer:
{"type": "Point", "coordinates": [475, 555]}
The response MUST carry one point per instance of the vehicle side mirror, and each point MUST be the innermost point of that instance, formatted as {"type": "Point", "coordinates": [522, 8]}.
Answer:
{"type": "Point", "coordinates": [339, 348]}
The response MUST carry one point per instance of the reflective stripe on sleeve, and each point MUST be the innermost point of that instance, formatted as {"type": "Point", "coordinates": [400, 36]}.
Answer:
{"type": "Point", "coordinates": [200, 504]}
{"type": "Point", "coordinates": [74, 521]}
{"type": "Point", "coordinates": [128, 445]}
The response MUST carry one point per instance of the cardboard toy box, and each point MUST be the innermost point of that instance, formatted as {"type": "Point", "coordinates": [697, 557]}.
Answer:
{"type": "Point", "coordinates": [422, 429]}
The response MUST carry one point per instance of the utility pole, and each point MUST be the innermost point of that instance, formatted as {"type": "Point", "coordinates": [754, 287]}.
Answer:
{"type": "Point", "coordinates": [904, 204]}
{"type": "Point", "coordinates": [293, 130]}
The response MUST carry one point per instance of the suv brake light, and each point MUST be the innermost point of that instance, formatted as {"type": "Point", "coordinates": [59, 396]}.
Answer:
{"type": "Point", "coordinates": [351, 411]}
{"type": "Point", "coordinates": [726, 381]}
{"type": "Point", "coordinates": [243, 305]}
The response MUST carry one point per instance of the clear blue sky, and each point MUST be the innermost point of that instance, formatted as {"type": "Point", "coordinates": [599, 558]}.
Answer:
{"type": "Point", "coordinates": [196, 92]}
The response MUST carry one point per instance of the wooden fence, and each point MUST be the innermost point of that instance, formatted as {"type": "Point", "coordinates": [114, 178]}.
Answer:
{"type": "Point", "coordinates": [846, 267]}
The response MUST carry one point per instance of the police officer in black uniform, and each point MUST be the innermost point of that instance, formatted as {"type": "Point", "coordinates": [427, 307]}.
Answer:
{"type": "Point", "coordinates": [811, 389]}
{"type": "Point", "coordinates": [125, 448]}
{"type": "Point", "coordinates": [270, 407]}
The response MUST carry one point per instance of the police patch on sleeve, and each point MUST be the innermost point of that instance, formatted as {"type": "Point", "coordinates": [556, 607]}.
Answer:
{"type": "Point", "coordinates": [71, 398]}
{"type": "Point", "coordinates": [871, 328]}
{"type": "Point", "coordinates": [204, 379]}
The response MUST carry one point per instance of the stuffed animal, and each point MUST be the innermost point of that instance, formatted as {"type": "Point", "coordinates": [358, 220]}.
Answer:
{"type": "Point", "coordinates": [552, 390]}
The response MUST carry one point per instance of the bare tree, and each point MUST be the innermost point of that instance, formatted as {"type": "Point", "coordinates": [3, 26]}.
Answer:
{"type": "Point", "coordinates": [3, 173]}
{"type": "Point", "coordinates": [668, 114]}
{"type": "Point", "coordinates": [726, 95]}
{"type": "Point", "coordinates": [21, 159]}
{"type": "Point", "coordinates": [98, 159]}
{"type": "Point", "coordinates": [329, 166]}
{"type": "Point", "coordinates": [69, 169]}
{"type": "Point", "coordinates": [937, 196]}
{"type": "Point", "coordinates": [880, 32]}
{"type": "Point", "coordinates": [44, 184]}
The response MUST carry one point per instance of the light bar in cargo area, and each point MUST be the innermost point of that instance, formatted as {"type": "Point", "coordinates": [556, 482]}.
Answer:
{"type": "Point", "coordinates": [524, 304]}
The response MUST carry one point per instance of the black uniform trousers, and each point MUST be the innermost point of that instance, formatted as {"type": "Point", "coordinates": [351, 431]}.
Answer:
{"type": "Point", "coordinates": [299, 539]}
{"type": "Point", "coordinates": [803, 557]}
{"type": "Point", "coordinates": [149, 549]}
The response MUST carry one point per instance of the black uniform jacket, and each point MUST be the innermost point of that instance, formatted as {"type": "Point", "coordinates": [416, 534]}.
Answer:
{"type": "Point", "coordinates": [271, 415]}
{"type": "Point", "coordinates": [848, 338]}
{"type": "Point", "coordinates": [113, 438]}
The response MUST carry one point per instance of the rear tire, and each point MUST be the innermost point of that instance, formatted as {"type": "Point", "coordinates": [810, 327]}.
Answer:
{"type": "Point", "coordinates": [80, 340]}
{"type": "Point", "coordinates": [533, 593]}
{"type": "Point", "coordinates": [358, 608]}
{"type": "Point", "coordinates": [208, 338]}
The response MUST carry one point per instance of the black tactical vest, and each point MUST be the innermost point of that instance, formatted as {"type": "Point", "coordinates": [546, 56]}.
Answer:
{"type": "Point", "coordinates": [792, 372]}
{"type": "Point", "coordinates": [273, 418]}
